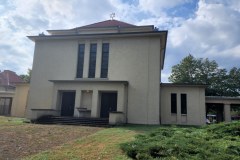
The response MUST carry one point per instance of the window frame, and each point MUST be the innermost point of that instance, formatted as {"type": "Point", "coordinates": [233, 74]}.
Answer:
{"type": "Point", "coordinates": [174, 103]}
{"type": "Point", "coordinates": [183, 103]}
{"type": "Point", "coordinates": [92, 60]}
{"type": "Point", "coordinates": [80, 60]}
{"type": "Point", "coordinates": [104, 60]}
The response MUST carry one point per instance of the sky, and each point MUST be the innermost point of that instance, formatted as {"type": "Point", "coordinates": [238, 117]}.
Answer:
{"type": "Point", "coordinates": [203, 28]}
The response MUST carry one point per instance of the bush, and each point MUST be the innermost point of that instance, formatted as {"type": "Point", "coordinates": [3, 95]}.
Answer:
{"type": "Point", "coordinates": [218, 141]}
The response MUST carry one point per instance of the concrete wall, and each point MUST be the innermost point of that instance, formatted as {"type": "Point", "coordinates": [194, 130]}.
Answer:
{"type": "Point", "coordinates": [52, 60]}
{"type": "Point", "coordinates": [137, 60]}
{"type": "Point", "coordinates": [86, 99]}
{"type": "Point", "coordinates": [20, 100]}
{"type": "Point", "coordinates": [133, 59]}
{"type": "Point", "coordinates": [195, 105]}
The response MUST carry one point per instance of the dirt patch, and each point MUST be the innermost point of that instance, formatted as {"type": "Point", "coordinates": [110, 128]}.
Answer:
{"type": "Point", "coordinates": [18, 141]}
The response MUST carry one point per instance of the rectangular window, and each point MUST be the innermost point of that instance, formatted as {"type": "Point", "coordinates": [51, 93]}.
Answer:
{"type": "Point", "coordinates": [81, 48]}
{"type": "Point", "coordinates": [183, 103]}
{"type": "Point", "coordinates": [173, 103]}
{"type": "Point", "coordinates": [92, 61]}
{"type": "Point", "coordinates": [105, 57]}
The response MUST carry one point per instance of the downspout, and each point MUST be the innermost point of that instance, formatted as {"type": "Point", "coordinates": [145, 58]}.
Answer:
{"type": "Point", "coordinates": [162, 52]}
{"type": "Point", "coordinates": [160, 95]}
{"type": "Point", "coordinates": [126, 100]}
{"type": "Point", "coordinates": [148, 80]}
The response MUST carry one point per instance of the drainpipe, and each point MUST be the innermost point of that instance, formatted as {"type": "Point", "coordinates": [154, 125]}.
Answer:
{"type": "Point", "coordinates": [126, 101]}
{"type": "Point", "coordinates": [160, 95]}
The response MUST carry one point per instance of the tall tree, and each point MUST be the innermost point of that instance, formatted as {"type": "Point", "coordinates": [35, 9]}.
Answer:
{"type": "Point", "coordinates": [186, 71]}
{"type": "Point", "coordinates": [203, 71]}
{"type": "Point", "coordinates": [26, 77]}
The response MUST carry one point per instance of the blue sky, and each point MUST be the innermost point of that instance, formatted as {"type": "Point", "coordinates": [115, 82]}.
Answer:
{"type": "Point", "coordinates": [204, 28]}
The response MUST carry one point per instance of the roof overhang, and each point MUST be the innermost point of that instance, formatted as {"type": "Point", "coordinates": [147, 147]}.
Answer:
{"type": "Point", "coordinates": [89, 81]}
{"type": "Point", "coordinates": [76, 30]}
{"type": "Point", "coordinates": [183, 85]}
{"type": "Point", "coordinates": [223, 99]}
{"type": "Point", "coordinates": [163, 48]}
{"type": "Point", "coordinates": [105, 35]}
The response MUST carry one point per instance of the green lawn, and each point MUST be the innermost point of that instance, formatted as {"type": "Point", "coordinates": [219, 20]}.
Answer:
{"type": "Point", "coordinates": [104, 144]}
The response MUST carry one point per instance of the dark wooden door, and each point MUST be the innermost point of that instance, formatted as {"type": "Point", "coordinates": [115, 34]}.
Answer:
{"type": "Point", "coordinates": [68, 102]}
{"type": "Point", "coordinates": [108, 103]}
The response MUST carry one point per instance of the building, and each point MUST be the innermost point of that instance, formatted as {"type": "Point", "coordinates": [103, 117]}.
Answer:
{"type": "Point", "coordinates": [109, 69]}
{"type": "Point", "coordinates": [13, 94]}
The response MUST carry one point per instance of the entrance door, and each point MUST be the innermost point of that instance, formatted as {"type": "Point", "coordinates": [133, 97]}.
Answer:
{"type": "Point", "coordinates": [108, 103]}
{"type": "Point", "coordinates": [68, 102]}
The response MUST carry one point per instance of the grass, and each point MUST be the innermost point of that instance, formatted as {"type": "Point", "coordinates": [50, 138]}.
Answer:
{"type": "Point", "coordinates": [19, 139]}
{"type": "Point", "coordinates": [104, 144]}
{"type": "Point", "coordinates": [10, 121]}
{"type": "Point", "coordinates": [219, 141]}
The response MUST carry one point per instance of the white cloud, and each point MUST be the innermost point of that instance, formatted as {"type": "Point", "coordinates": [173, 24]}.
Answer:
{"type": "Point", "coordinates": [164, 77]}
{"type": "Point", "coordinates": [211, 31]}
{"type": "Point", "coordinates": [214, 30]}
{"type": "Point", "coordinates": [20, 18]}
{"type": "Point", "coordinates": [162, 22]}
{"type": "Point", "coordinates": [156, 7]}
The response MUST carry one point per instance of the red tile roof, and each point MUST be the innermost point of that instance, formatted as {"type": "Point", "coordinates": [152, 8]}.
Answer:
{"type": "Point", "coordinates": [109, 23]}
{"type": "Point", "coordinates": [8, 77]}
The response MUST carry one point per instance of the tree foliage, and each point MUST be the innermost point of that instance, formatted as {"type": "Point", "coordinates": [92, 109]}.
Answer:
{"type": "Point", "coordinates": [203, 71]}
{"type": "Point", "coordinates": [26, 77]}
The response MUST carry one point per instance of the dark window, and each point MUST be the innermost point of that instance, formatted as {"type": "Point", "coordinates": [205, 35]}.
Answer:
{"type": "Point", "coordinates": [81, 49]}
{"type": "Point", "coordinates": [173, 103]}
{"type": "Point", "coordinates": [183, 103]}
{"type": "Point", "coordinates": [92, 61]}
{"type": "Point", "coordinates": [105, 57]}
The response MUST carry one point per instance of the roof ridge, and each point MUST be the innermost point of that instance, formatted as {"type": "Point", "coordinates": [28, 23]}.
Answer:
{"type": "Point", "coordinates": [107, 23]}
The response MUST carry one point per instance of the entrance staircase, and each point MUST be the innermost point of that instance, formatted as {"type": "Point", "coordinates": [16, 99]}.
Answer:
{"type": "Point", "coordinates": [82, 121]}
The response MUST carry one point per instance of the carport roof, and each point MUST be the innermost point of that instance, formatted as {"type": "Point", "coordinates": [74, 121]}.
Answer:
{"type": "Point", "coordinates": [222, 99]}
{"type": "Point", "coordinates": [183, 85]}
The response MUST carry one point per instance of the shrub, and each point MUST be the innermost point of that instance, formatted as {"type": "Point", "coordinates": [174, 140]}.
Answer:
{"type": "Point", "coordinates": [218, 141]}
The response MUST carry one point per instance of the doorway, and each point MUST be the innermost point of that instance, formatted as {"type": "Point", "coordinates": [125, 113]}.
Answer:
{"type": "Point", "coordinates": [108, 103]}
{"type": "Point", "coordinates": [5, 105]}
{"type": "Point", "coordinates": [68, 103]}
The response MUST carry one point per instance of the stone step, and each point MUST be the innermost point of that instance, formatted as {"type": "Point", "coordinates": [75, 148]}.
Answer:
{"type": "Point", "coordinates": [103, 122]}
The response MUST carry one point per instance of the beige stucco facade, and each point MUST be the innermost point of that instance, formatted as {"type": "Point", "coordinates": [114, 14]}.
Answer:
{"type": "Point", "coordinates": [133, 72]}
{"type": "Point", "coordinates": [195, 104]}
{"type": "Point", "coordinates": [15, 100]}
{"type": "Point", "coordinates": [19, 104]}
{"type": "Point", "coordinates": [136, 57]}
{"type": "Point", "coordinates": [6, 97]}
